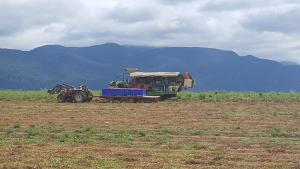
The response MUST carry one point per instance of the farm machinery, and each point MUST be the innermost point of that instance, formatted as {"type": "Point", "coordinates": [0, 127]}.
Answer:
{"type": "Point", "coordinates": [135, 86]}
{"type": "Point", "coordinates": [142, 86]}
{"type": "Point", "coordinates": [68, 93]}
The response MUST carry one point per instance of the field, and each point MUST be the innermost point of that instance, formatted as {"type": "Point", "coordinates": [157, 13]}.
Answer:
{"type": "Point", "coordinates": [207, 130]}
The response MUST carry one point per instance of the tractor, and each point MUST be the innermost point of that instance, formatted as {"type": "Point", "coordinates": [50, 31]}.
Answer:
{"type": "Point", "coordinates": [68, 93]}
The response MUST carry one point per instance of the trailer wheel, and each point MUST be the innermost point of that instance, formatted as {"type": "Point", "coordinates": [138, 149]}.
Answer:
{"type": "Point", "coordinates": [131, 100]}
{"type": "Point", "coordinates": [79, 97]}
{"type": "Point", "coordinates": [61, 98]}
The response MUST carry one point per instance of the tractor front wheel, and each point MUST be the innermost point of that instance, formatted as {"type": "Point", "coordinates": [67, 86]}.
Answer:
{"type": "Point", "coordinates": [61, 98]}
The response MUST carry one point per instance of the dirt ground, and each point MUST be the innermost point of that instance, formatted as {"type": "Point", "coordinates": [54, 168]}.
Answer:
{"type": "Point", "coordinates": [149, 135]}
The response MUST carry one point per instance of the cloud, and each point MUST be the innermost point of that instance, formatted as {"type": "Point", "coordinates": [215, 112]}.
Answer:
{"type": "Point", "coordinates": [174, 2]}
{"type": "Point", "coordinates": [22, 15]}
{"type": "Point", "coordinates": [238, 5]}
{"type": "Point", "coordinates": [128, 15]}
{"type": "Point", "coordinates": [221, 5]}
{"type": "Point", "coordinates": [284, 22]}
{"type": "Point", "coordinates": [267, 29]}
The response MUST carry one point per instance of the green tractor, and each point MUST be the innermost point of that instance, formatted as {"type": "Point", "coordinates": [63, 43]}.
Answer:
{"type": "Point", "coordinates": [163, 84]}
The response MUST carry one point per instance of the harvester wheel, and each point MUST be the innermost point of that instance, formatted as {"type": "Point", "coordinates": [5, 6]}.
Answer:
{"type": "Point", "coordinates": [79, 97]}
{"type": "Point", "coordinates": [61, 98]}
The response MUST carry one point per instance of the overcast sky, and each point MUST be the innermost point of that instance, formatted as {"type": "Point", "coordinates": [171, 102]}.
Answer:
{"type": "Point", "coordinates": [264, 28]}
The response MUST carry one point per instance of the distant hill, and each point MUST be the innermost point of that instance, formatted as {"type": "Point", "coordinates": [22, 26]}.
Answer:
{"type": "Point", "coordinates": [96, 66]}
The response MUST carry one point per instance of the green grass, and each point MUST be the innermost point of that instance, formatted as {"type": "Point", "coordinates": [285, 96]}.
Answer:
{"type": "Point", "coordinates": [108, 164]}
{"type": "Point", "coordinates": [80, 162]}
{"type": "Point", "coordinates": [184, 96]}
{"type": "Point", "coordinates": [240, 96]}
{"type": "Point", "coordinates": [29, 95]}
{"type": "Point", "coordinates": [274, 131]}
{"type": "Point", "coordinates": [57, 134]}
{"type": "Point", "coordinates": [217, 157]}
{"type": "Point", "coordinates": [25, 95]}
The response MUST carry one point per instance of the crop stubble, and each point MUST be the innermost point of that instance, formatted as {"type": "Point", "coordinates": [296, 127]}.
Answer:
{"type": "Point", "coordinates": [184, 134]}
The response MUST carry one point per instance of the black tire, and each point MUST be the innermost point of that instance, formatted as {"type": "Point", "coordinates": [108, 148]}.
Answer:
{"type": "Point", "coordinates": [79, 97]}
{"type": "Point", "coordinates": [131, 100]}
{"type": "Point", "coordinates": [89, 96]}
{"type": "Point", "coordinates": [61, 98]}
{"type": "Point", "coordinates": [167, 96]}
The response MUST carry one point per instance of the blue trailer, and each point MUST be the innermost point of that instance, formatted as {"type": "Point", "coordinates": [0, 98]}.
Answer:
{"type": "Point", "coordinates": [128, 94]}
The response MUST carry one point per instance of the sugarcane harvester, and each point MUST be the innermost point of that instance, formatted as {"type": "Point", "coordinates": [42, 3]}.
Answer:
{"type": "Point", "coordinates": [142, 86]}
{"type": "Point", "coordinates": [68, 93]}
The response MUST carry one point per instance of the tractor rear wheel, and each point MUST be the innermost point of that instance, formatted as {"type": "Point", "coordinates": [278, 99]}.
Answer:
{"type": "Point", "coordinates": [79, 97]}
{"type": "Point", "coordinates": [61, 98]}
{"type": "Point", "coordinates": [89, 96]}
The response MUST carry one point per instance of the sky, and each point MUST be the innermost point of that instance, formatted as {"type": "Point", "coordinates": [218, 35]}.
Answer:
{"type": "Point", "coordinates": [267, 29]}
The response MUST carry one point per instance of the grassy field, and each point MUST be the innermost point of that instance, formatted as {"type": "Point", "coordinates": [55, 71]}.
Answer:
{"type": "Point", "coordinates": [185, 96]}
{"type": "Point", "coordinates": [25, 95]}
{"type": "Point", "coordinates": [228, 131]}
{"type": "Point", "coordinates": [240, 96]}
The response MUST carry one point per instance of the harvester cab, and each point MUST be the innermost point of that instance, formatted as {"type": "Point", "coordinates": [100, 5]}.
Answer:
{"type": "Point", "coordinates": [188, 82]}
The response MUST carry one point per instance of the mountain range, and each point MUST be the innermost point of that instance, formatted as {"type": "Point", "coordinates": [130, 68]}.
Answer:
{"type": "Point", "coordinates": [96, 66]}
